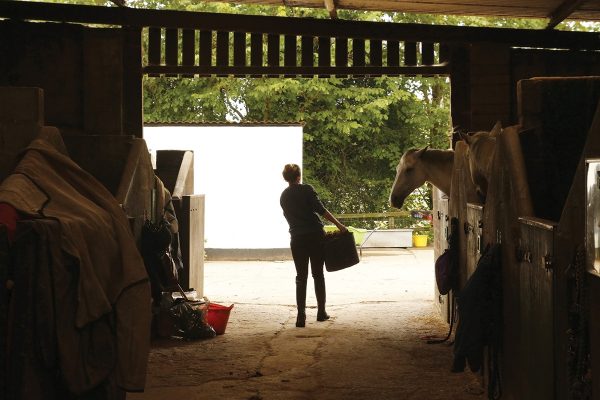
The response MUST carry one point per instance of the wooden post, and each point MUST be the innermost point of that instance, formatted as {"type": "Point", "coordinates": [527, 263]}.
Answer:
{"type": "Point", "coordinates": [132, 82]}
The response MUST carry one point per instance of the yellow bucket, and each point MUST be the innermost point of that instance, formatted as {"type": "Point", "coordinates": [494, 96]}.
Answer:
{"type": "Point", "coordinates": [419, 240]}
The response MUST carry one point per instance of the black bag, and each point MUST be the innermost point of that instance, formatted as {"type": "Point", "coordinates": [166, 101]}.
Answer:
{"type": "Point", "coordinates": [444, 276]}
{"type": "Point", "coordinates": [340, 251]}
{"type": "Point", "coordinates": [185, 319]}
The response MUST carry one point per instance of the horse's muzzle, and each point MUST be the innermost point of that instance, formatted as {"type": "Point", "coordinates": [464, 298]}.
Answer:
{"type": "Point", "coordinates": [396, 201]}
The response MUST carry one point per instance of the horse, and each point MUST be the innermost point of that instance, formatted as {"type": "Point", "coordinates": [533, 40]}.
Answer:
{"type": "Point", "coordinates": [482, 146]}
{"type": "Point", "coordinates": [419, 166]}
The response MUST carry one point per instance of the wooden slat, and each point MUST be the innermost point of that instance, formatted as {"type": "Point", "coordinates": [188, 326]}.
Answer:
{"type": "Point", "coordinates": [444, 53]}
{"type": "Point", "coordinates": [132, 82]}
{"type": "Point", "coordinates": [171, 47]}
{"type": "Point", "coordinates": [427, 53]}
{"type": "Point", "coordinates": [205, 48]}
{"type": "Point", "coordinates": [307, 51]}
{"type": "Point", "coordinates": [376, 53]}
{"type": "Point", "coordinates": [222, 48]}
{"type": "Point", "coordinates": [239, 49]}
{"type": "Point", "coordinates": [341, 53]}
{"type": "Point", "coordinates": [154, 46]}
{"type": "Point", "coordinates": [324, 53]}
{"type": "Point", "coordinates": [273, 50]}
{"type": "Point", "coordinates": [256, 49]}
{"type": "Point", "coordinates": [188, 48]}
{"type": "Point", "coordinates": [358, 52]}
{"type": "Point", "coordinates": [410, 53]}
{"type": "Point", "coordinates": [393, 53]}
{"type": "Point", "coordinates": [290, 52]}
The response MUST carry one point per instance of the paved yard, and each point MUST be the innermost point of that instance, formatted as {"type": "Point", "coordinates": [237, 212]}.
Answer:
{"type": "Point", "coordinates": [372, 348]}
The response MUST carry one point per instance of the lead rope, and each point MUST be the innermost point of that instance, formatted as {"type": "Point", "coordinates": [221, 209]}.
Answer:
{"type": "Point", "coordinates": [452, 318]}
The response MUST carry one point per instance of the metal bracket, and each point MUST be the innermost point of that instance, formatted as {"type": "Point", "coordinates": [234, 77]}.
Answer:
{"type": "Point", "coordinates": [468, 228]}
{"type": "Point", "coordinates": [548, 262]}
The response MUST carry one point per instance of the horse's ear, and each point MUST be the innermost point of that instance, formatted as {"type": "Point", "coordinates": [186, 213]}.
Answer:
{"type": "Point", "coordinates": [466, 137]}
{"type": "Point", "coordinates": [419, 153]}
{"type": "Point", "coordinates": [497, 129]}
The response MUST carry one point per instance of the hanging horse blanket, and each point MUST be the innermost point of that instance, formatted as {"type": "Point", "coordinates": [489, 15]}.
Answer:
{"type": "Point", "coordinates": [112, 280]}
{"type": "Point", "coordinates": [479, 312]}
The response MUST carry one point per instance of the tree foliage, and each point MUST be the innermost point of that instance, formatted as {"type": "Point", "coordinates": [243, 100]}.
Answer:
{"type": "Point", "coordinates": [355, 129]}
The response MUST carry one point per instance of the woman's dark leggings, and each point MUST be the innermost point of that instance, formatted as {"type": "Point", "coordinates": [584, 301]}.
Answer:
{"type": "Point", "coordinates": [305, 248]}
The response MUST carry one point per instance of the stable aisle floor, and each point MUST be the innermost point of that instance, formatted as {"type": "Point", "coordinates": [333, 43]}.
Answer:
{"type": "Point", "coordinates": [372, 348]}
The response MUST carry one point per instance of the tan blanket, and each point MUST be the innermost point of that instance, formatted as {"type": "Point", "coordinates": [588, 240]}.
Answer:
{"type": "Point", "coordinates": [95, 231]}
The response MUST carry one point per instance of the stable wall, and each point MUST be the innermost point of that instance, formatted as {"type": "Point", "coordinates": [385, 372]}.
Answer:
{"type": "Point", "coordinates": [484, 79]}
{"type": "Point", "coordinates": [90, 78]}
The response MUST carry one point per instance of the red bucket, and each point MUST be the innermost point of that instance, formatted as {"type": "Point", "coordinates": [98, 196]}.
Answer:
{"type": "Point", "coordinates": [218, 316]}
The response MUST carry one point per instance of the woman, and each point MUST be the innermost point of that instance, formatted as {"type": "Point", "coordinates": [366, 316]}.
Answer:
{"type": "Point", "coordinates": [301, 208]}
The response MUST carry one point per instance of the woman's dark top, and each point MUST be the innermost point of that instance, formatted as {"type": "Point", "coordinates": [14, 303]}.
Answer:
{"type": "Point", "coordinates": [301, 208]}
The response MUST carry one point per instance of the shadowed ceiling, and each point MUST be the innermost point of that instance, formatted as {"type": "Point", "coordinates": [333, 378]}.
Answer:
{"type": "Point", "coordinates": [553, 10]}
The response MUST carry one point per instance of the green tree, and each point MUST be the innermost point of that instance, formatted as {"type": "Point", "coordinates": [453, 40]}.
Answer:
{"type": "Point", "coordinates": [355, 129]}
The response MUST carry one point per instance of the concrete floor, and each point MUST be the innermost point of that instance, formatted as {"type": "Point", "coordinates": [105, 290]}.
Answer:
{"type": "Point", "coordinates": [373, 347]}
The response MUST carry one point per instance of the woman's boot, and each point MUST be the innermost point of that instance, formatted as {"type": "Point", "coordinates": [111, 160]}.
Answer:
{"type": "Point", "coordinates": [320, 294]}
{"type": "Point", "coordinates": [301, 302]}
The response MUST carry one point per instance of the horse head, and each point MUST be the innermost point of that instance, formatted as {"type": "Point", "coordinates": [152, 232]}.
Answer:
{"type": "Point", "coordinates": [482, 146]}
{"type": "Point", "coordinates": [410, 174]}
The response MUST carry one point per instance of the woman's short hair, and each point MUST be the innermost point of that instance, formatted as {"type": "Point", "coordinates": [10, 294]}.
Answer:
{"type": "Point", "coordinates": [291, 172]}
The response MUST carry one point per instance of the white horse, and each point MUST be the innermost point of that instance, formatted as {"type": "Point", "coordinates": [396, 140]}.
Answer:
{"type": "Point", "coordinates": [482, 146]}
{"type": "Point", "coordinates": [419, 166]}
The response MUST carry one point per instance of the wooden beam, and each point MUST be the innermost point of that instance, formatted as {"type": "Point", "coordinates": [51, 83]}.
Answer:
{"type": "Point", "coordinates": [132, 82]}
{"type": "Point", "coordinates": [126, 16]}
{"type": "Point", "coordinates": [330, 6]}
{"type": "Point", "coordinates": [562, 12]}
{"type": "Point", "coordinates": [298, 71]}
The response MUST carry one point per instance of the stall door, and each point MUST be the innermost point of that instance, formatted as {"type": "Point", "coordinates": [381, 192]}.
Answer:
{"type": "Point", "coordinates": [440, 243]}
{"type": "Point", "coordinates": [535, 256]}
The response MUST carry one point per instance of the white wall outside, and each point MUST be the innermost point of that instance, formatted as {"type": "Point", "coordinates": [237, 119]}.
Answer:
{"type": "Point", "coordinates": [238, 169]}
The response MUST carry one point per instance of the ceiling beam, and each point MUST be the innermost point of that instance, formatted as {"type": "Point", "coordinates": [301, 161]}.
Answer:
{"type": "Point", "coordinates": [330, 6]}
{"type": "Point", "coordinates": [562, 12]}
{"type": "Point", "coordinates": [450, 34]}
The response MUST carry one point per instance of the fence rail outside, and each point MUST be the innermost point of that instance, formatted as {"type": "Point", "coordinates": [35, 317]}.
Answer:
{"type": "Point", "coordinates": [392, 218]}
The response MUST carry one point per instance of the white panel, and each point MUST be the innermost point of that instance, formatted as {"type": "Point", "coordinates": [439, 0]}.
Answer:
{"type": "Point", "coordinates": [388, 238]}
{"type": "Point", "coordinates": [238, 168]}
